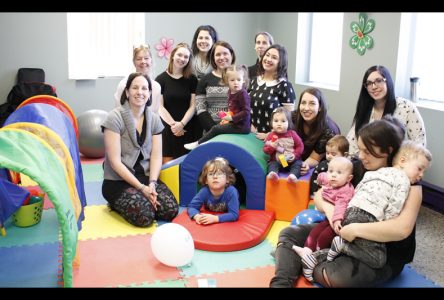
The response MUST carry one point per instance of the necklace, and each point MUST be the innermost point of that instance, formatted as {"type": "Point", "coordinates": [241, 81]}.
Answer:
{"type": "Point", "coordinates": [200, 66]}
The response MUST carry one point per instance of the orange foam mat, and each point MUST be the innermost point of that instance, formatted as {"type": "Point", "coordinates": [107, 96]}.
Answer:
{"type": "Point", "coordinates": [286, 199]}
{"type": "Point", "coordinates": [100, 222]}
{"type": "Point", "coordinates": [258, 277]}
{"type": "Point", "coordinates": [120, 261]}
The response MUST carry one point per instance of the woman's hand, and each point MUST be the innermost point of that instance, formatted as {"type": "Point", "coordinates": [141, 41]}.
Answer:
{"type": "Point", "coordinates": [304, 168]}
{"type": "Point", "coordinates": [337, 226]}
{"type": "Point", "coordinates": [177, 128]}
{"type": "Point", "coordinates": [349, 232]}
{"type": "Point", "coordinates": [150, 193]}
{"type": "Point", "coordinates": [261, 135]}
{"type": "Point", "coordinates": [180, 133]}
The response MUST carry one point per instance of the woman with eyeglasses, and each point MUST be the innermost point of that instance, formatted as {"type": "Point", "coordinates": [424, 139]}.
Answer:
{"type": "Point", "coordinates": [377, 98]}
{"type": "Point", "coordinates": [143, 61]}
{"type": "Point", "coordinates": [216, 195]}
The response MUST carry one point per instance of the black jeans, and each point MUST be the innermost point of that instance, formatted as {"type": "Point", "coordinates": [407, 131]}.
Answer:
{"type": "Point", "coordinates": [206, 120]}
{"type": "Point", "coordinates": [288, 263]}
{"type": "Point", "coordinates": [222, 129]}
{"type": "Point", "coordinates": [344, 271]}
{"type": "Point", "coordinates": [372, 253]}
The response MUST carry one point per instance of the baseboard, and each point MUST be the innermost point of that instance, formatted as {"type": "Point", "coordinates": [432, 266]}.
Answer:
{"type": "Point", "coordinates": [433, 196]}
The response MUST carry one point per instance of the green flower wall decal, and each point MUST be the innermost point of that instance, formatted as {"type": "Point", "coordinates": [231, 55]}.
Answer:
{"type": "Point", "coordinates": [361, 40]}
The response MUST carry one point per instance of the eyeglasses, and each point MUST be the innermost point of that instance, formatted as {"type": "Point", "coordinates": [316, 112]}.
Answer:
{"type": "Point", "coordinates": [378, 82]}
{"type": "Point", "coordinates": [217, 174]}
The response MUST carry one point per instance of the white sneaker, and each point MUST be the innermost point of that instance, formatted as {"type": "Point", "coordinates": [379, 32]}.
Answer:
{"type": "Point", "coordinates": [273, 176]}
{"type": "Point", "coordinates": [292, 178]}
{"type": "Point", "coordinates": [191, 146]}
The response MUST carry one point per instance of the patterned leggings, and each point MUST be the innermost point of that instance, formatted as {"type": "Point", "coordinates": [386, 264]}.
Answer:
{"type": "Point", "coordinates": [138, 211]}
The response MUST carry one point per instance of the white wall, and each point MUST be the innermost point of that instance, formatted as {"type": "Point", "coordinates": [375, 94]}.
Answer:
{"type": "Point", "coordinates": [342, 103]}
{"type": "Point", "coordinates": [39, 40]}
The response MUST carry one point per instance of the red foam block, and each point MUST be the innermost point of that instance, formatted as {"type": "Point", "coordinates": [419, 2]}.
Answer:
{"type": "Point", "coordinates": [249, 230]}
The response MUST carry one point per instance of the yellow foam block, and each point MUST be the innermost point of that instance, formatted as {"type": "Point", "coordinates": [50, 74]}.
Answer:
{"type": "Point", "coordinates": [170, 177]}
{"type": "Point", "coordinates": [273, 234]}
{"type": "Point", "coordinates": [100, 222]}
{"type": "Point", "coordinates": [286, 199]}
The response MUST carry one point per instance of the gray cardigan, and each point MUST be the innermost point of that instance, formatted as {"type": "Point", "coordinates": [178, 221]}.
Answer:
{"type": "Point", "coordinates": [120, 120]}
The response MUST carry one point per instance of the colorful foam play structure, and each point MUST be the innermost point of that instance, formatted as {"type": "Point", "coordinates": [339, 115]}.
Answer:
{"type": "Point", "coordinates": [265, 201]}
{"type": "Point", "coordinates": [249, 230]}
{"type": "Point", "coordinates": [287, 199]}
{"type": "Point", "coordinates": [243, 151]}
{"type": "Point", "coordinates": [170, 176]}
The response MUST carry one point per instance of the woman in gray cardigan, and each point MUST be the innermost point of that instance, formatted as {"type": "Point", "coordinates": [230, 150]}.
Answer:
{"type": "Point", "coordinates": [133, 146]}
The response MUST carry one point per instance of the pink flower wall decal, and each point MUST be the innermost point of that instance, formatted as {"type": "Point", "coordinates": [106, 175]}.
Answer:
{"type": "Point", "coordinates": [165, 47]}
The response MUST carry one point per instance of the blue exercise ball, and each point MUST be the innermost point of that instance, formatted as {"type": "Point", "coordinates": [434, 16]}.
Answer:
{"type": "Point", "coordinates": [308, 216]}
{"type": "Point", "coordinates": [91, 142]}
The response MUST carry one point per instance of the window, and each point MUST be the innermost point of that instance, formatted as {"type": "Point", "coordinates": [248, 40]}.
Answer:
{"type": "Point", "coordinates": [319, 49]}
{"type": "Point", "coordinates": [422, 48]}
{"type": "Point", "coordinates": [100, 44]}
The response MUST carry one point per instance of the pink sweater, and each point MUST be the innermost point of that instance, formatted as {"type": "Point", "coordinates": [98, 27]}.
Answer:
{"type": "Point", "coordinates": [339, 196]}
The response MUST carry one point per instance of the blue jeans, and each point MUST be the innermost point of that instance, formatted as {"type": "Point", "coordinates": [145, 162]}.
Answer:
{"type": "Point", "coordinates": [294, 166]}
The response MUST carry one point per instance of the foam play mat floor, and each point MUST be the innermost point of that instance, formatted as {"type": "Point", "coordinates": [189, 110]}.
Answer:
{"type": "Point", "coordinates": [114, 253]}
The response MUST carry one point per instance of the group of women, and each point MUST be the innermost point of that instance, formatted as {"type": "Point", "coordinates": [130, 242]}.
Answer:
{"type": "Point", "coordinates": [185, 100]}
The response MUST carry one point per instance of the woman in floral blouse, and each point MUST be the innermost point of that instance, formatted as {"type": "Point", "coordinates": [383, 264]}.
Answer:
{"type": "Point", "coordinates": [377, 98]}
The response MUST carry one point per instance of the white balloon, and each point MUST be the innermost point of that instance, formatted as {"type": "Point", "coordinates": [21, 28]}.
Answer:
{"type": "Point", "coordinates": [173, 245]}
